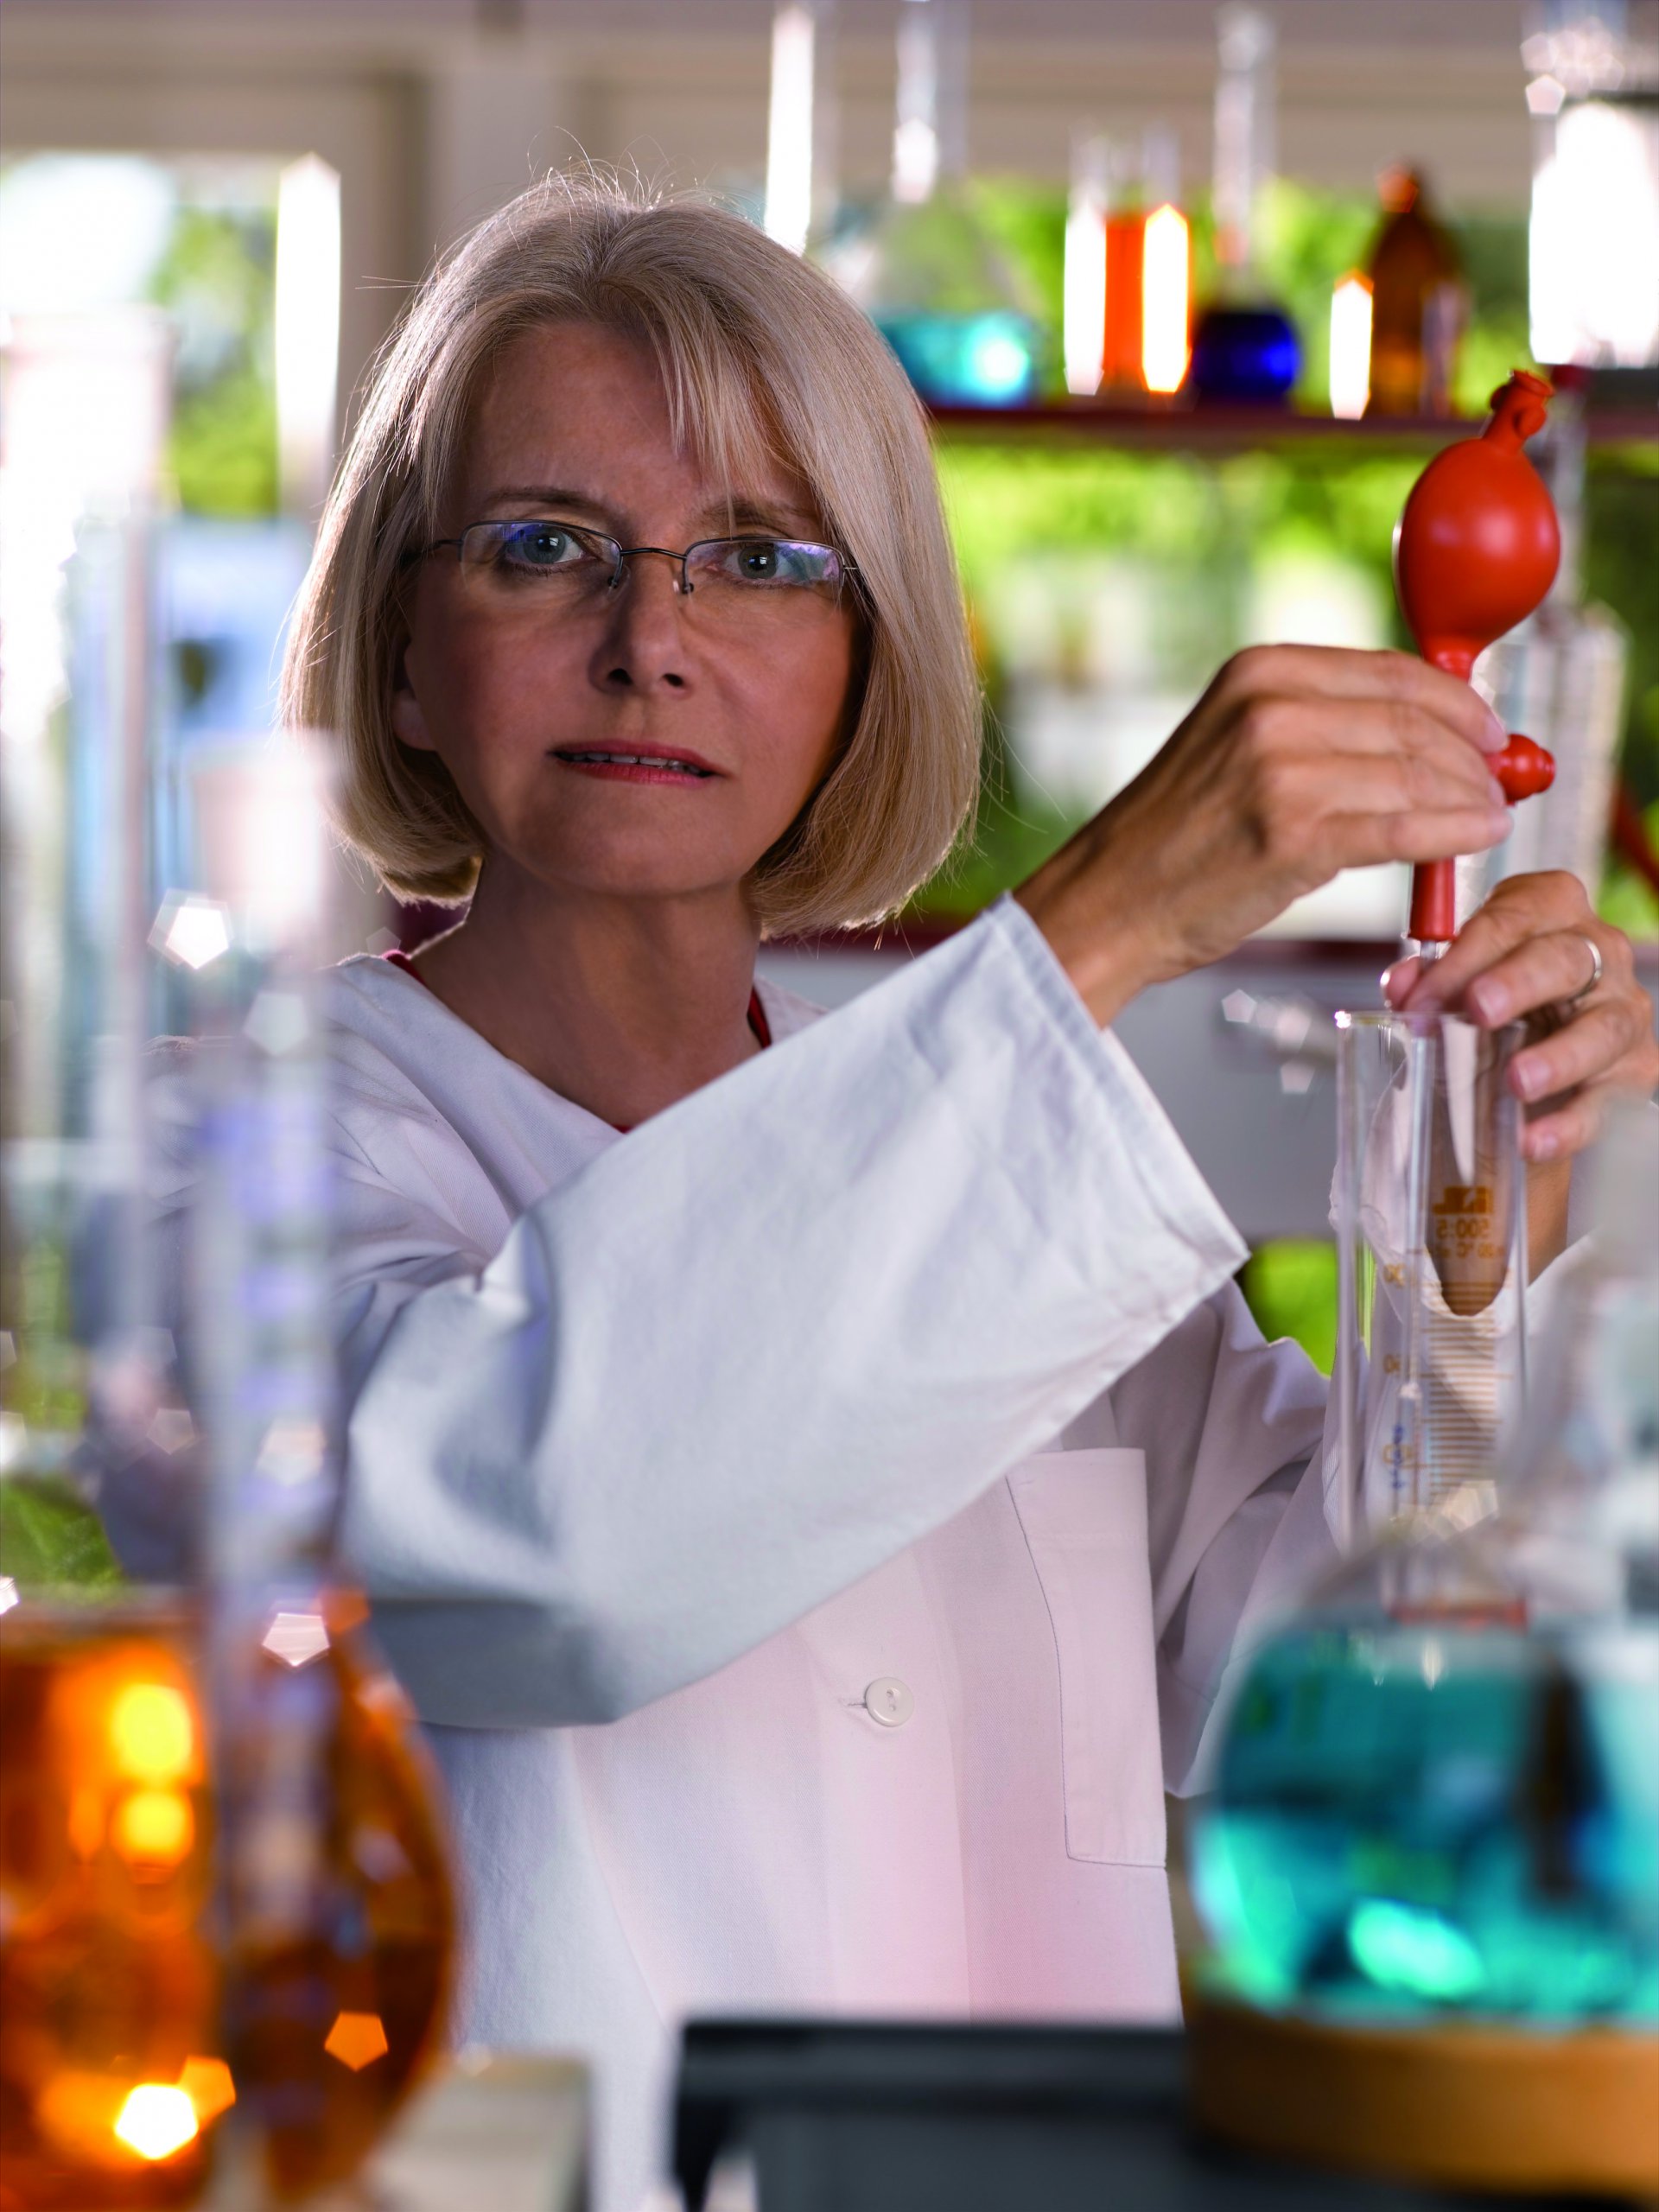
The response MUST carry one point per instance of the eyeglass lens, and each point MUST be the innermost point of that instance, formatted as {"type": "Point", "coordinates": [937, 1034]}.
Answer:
{"type": "Point", "coordinates": [557, 564]}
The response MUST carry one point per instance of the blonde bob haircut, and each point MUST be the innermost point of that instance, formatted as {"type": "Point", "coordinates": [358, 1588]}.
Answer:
{"type": "Point", "coordinates": [762, 358]}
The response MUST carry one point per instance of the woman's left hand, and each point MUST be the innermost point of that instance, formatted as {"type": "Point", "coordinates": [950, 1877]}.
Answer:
{"type": "Point", "coordinates": [1529, 953]}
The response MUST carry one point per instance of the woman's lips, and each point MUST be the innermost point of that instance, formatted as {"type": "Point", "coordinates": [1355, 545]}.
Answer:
{"type": "Point", "coordinates": [617, 766]}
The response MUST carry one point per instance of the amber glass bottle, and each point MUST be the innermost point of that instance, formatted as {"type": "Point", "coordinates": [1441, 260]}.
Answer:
{"type": "Point", "coordinates": [1419, 304]}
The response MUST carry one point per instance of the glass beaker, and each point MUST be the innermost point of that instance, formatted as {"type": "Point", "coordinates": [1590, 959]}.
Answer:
{"type": "Point", "coordinates": [1430, 1208]}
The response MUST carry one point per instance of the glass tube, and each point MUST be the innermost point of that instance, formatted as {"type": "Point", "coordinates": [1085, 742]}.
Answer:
{"type": "Point", "coordinates": [1431, 1221]}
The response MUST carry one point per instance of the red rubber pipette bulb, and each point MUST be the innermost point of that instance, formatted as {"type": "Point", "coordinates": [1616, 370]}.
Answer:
{"type": "Point", "coordinates": [1477, 548]}
{"type": "Point", "coordinates": [1524, 768]}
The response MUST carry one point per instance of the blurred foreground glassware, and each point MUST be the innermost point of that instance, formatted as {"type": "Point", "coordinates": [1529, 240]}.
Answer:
{"type": "Point", "coordinates": [225, 1922]}
{"type": "Point", "coordinates": [334, 1891]}
{"type": "Point", "coordinates": [110, 2072]}
{"type": "Point", "coordinates": [109, 2069]}
{"type": "Point", "coordinates": [1438, 1787]}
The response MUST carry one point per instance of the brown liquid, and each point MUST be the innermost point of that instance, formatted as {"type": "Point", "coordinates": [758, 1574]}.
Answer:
{"type": "Point", "coordinates": [1416, 309]}
{"type": "Point", "coordinates": [330, 2000]}
{"type": "Point", "coordinates": [108, 1980]}
{"type": "Point", "coordinates": [340, 1971]}
{"type": "Point", "coordinates": [1469, 1229]}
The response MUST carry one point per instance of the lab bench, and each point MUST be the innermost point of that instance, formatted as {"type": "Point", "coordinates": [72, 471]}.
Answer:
{"type": "Point", "coordinates": [816, 2116]}
{"type": "Point", "coordinates": [779, 2116]}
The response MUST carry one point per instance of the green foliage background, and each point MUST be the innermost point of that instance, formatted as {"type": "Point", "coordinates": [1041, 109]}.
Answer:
{"type": "Point", "coordinates": [216, 279]}
{"type": "Point", "coordinates": [1216, 517]}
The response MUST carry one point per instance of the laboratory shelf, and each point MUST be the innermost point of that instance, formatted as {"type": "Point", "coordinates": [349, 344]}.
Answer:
{"type": "Point", "coordinates": [1186, 429]}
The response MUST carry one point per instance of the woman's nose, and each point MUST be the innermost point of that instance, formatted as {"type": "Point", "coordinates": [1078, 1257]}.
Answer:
{"type": "Point", "coordinates": [644, 644]}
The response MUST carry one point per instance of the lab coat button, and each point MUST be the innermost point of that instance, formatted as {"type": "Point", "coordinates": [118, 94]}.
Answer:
{"type": "Point", "coordinates": [889, 1701]}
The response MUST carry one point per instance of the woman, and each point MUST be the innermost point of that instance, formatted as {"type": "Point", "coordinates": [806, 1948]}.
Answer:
{"type": "Point", "coordinates": [798, 1521]}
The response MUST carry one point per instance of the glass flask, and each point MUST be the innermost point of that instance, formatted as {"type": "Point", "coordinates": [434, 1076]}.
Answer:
{"type": "Point", "coordinates": [945, 299]}
{"type": "Point", "coordinates": [334, 1896]}
{"type": "Point", "coordinates": [1437, 1792]}
{"type": "Point", "coordinates": [111, 2073]}
{"type": "Point", "coordinates": [922, 266]}
{"type": "Point", "coordinates": [226, 1920]}
{"type": "Point", "coordinates": [1244, 345]}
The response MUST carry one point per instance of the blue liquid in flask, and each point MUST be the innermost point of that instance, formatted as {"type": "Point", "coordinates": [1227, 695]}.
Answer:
{"type": "Point", "coordinates": [987, 359]}
{"type": "Point", "coordinates": [1436, 1821]}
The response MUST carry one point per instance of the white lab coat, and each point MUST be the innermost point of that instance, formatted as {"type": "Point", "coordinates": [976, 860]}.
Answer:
{"type": "Point", "coordinates": [905, 1354]}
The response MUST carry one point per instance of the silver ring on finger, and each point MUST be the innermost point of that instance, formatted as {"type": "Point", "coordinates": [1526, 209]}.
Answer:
{"type": "Point", "coordinates": [1585, 990]}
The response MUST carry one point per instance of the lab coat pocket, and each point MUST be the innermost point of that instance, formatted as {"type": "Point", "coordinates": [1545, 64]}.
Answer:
{"type": "Point", "coordinates": [1084, 1518]}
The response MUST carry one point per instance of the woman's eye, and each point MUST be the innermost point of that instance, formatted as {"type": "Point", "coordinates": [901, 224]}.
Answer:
{"type": "Point", "coordinates": [539, 545]}
{"type": "Point", "coordinates": [761, 561]}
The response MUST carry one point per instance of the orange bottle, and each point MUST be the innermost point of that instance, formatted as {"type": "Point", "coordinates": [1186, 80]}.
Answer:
{"type": "Point", "coordinates": [1126, 232]}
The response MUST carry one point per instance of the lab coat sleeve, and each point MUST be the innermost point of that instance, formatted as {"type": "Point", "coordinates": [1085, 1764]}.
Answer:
{"type": "Point", "coordinates": [770, 1339]}
{"type": "Point", "coordinates": [1235, 1434]}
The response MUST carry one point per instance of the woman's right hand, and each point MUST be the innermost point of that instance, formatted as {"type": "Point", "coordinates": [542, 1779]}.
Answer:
{"type": "Point", "coordinates": [1298, 761]}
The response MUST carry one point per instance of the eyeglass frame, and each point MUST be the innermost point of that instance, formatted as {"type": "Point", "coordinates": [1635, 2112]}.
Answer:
{"type": "Point", "coordinates": [685, 587]}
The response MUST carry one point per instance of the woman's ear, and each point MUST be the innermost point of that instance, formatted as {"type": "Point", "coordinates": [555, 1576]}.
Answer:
{"type": "Point", "coordinates": [407, 719]}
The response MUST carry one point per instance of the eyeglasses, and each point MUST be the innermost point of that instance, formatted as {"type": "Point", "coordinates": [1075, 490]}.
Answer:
{"type": "Point", "coordinates": [559, 568]}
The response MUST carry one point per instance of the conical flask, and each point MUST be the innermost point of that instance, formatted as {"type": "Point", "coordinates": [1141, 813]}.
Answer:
{"type": "Point", "coordinates": [923, 266]}
{"type": "Point", "coordinates": [1438, 1787]}
{"type": "Point", "coordinates": [1244, 345]}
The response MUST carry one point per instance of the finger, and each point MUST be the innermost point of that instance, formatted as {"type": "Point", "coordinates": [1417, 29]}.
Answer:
{"type": "Point", "coordinates": [1571, 1129]}
{"type": "Point", "coordinates": [1586, 1050]}
{"type": "Point", "coordinates": [1522, 907]}
{"type": "Point", "coordinates": [1569, 1124]}
{"type": "Point", "coordinates": [1438, 833]}
{"type": "Point", "coordinates": [1295, 770]}
{"type": "Point", "coordinates": [1339, 672]}
{"type": "Point", "coordinates": [1547, 971]}
{"type": "Point", "coordinates": [1399, 981]}
{"type": "Point", "coordinates": [1396, 730]}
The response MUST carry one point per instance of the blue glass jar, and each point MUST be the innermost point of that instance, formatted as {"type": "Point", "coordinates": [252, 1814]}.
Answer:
{"type": "Point", "coordinates": [1248, 352]}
